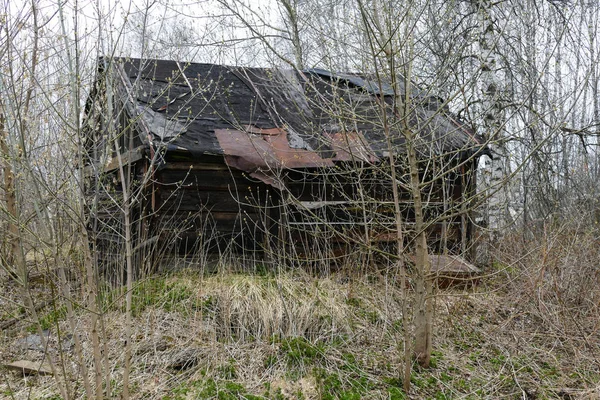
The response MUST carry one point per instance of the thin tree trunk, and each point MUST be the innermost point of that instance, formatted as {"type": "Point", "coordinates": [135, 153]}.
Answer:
{"type": "Point", "coordinates": [291, 9]}
{"type": "Point", "coordinates": [492, 119]}
{"type": "Point", "coordinates": [125, 174]}
{"type": "Point", "coordinates": [17, 256]}
{"type": "Point", "coordinates": [423, 295]}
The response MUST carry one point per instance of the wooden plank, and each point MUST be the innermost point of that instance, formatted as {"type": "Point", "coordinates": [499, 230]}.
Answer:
{"type": "Point", "coordinates": [175, 218]}
{"type": "Point", "coordinates": [441, 264]}
{"type": "Point", "coordinates": [195, 166]}
{"type": "Point", "coordinates": [218, 179]}
{"type": "Point", "coordinates": [30, 367]}
{"type": "Point", "coordinates": [196, 200]}
{"type": "Point", "coordinates": [128, 157]}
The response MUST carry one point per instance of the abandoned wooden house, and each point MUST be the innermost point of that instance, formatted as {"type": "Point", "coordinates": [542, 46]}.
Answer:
{"type": "Point", "coordinates": [251, 160]}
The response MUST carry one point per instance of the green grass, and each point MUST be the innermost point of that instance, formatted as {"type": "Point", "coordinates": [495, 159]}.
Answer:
{"type": "Point", "coordinates": [298, 351]}
{"type": "Point", "coordinates": [159, 292]}
{"type": "Point", "coordinates": [334, 385]}
{"type": "Point", "coordinates": [211, 389]}
{"type": "Point", "coordinates": [49, 320]}
{"type": "Point", "coordinates": [162, 293]}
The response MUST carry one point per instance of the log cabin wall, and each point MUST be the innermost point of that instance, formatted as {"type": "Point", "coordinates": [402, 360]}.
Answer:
{"type": "Point", "coordinates": [190, 207]}
{"type": "Point", "coordinates": [207, 206]}
{"type": "Point", "coordinates": [355, 206]}
{"type": "Point", "coordinates": [268, 161]}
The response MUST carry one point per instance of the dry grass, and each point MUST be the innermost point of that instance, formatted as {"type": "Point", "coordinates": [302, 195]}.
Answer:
{"type": "Point", "coordinates": [291, 335]}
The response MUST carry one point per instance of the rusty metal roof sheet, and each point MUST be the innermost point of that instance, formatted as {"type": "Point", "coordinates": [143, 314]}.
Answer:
{"type": "Point", "coordinates": [251, 152]}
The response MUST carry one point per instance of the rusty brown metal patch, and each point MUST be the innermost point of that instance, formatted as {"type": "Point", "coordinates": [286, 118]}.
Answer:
{"type": "Point", "coordinates": [245, 152]}
{"type": "Point", "coordinates": [295, 158]}
{"type": "Point", "coordinates": [271, 151]}
{"type": "Point", "coordinates": [261, 131]}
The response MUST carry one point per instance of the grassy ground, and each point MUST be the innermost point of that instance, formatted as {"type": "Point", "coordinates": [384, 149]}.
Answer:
{"type": "Point", "coordinates": [236, 336]}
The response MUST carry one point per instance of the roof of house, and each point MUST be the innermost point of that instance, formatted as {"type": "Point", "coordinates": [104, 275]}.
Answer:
{"type": "Point", "coordinates": [258, 117]}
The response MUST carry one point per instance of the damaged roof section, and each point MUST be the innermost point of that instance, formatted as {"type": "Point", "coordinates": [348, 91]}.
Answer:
{"type": "Point", "coordinates": [262, 120]}
{"type": "Point", "coordinates": [370, 85]}
{"type": "Point", "coordinates": [266, 151]}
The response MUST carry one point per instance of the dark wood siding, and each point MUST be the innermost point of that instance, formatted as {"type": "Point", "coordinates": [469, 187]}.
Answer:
{"type": "Point", "coordinates": [208, 205]}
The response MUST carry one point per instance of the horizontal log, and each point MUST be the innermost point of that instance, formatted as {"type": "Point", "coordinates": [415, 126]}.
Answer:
{"type": "Point", "coordinates": [126, 158]}
{"type": "Point", "coordinates": [195, 166]}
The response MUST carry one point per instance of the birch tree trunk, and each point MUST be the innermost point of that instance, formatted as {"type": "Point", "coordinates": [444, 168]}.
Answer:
{"type": "Point", "coordinates": [490, 90]}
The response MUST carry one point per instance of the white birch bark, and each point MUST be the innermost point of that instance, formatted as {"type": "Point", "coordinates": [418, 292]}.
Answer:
{"type": "Point", "coordinates": [490, 90]}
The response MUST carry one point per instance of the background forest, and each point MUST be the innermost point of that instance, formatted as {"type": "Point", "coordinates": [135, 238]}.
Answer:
{"type": "Point", "coordinates": [523, 74]}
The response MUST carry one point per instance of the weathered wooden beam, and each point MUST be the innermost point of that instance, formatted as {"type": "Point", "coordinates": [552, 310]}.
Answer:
{"type": "Point", "coordinates": [195, 166]}
{"type": "Point", "coordinates": [27, 367]}
{"type": "Point", "coordinates": [128, 157]}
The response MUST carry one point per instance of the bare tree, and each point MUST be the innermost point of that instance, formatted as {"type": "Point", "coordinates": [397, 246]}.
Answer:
{"type": "Point", "coordinates": [523, 74]}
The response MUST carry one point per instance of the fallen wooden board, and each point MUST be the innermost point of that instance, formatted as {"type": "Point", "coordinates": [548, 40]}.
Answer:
{"type": "Point", "coordinates": [443, 264]}
{"type": "Point", "coordinates": [30, 367]}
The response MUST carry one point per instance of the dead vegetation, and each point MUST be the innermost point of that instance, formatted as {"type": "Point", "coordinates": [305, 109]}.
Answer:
{"type": "Point", "coordinates": [528, 330]}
